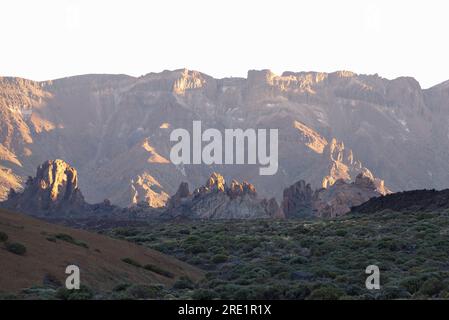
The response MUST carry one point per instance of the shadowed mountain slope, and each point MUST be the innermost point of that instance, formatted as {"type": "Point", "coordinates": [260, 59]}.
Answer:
{"type": "Point", "coordinates": [416, 200]}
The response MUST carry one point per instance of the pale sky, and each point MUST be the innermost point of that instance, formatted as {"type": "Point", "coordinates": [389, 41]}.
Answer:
{"type": "Point", "coordinates": [48, 39]}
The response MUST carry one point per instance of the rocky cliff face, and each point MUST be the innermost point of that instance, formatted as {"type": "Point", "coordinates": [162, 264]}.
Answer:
{"type": "Point", "coordinates": [217, 200]}
{"type": "Point", "coordinates": [115, 130]}
{"type": "Point", "coordinates": [54, 189]}
{"type": "Point", "coordinates": [297, 200]}
{"type": "Point", "coordinates": [334, 200]}
{"type": "Point", "coordinates": [8, 181]}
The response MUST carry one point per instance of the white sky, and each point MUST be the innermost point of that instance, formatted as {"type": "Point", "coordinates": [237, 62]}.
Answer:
{"type": "Point", "coordinates": [48, 39]}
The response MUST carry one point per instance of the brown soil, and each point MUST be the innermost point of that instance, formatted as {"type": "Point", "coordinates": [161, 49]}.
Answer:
{"type": "Point", "coordinates": [101, 263]}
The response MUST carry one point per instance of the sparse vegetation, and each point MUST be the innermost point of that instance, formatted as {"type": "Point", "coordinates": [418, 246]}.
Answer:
{"type": "Point", "coordinates": [132, 262]}
{"type": "Point", "coordinates": [219, 258]}
{"type": "Point", "coordinates": [69, 239]}
{"type": "Point", "coordinates": [3, 237]}
{"type": "Point", "coordinates": [16, 248]}
{"type": "Point", "coordinates": [149, 267]}
{"type": "Point", "coordinates": [51, 239]}
{"type": "Point", "coordinates": [49, 248]}
{"type": "Point", "coordinates": [290, 259]}
{"type": "Point", "coordinates": [309, 259]}
{"type": "Point", "coordinates": [184, 283]}
{"type": "Point", "coordinates": [145, 291]}
{"type": "Point", "coordinates": [84, 293]}
{"type": "Point", "coordinates": [159, 271]}
{"type": "Point", "coordinates": [8, 296]}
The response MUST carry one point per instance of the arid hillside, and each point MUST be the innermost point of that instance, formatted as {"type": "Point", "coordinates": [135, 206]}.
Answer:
{"type": "Point", "coordinates": [51, 248]}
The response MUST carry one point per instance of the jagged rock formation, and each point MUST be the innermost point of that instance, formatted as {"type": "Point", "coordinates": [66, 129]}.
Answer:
{"type": "Point", "coordinates": [115, 129]}
{"type": "Point", "coordinates": [342, 163]}
{"type": "Point", "coordinates": [54, 191]}
{"type": "Point", "coordinates": [334, 200]}
{"type": "Point", "coordinates": [297, 200]}
{"type": "Point", "coordinates": [148, 190]}
{"type": "Point", "coordinates": [339, 198]}
{"type": "Point", "coordinates": [217, 200]}
{"type": "Point", "coordinates": [408, 201]}
{"type": "Point", "coordinates": [54, 188]}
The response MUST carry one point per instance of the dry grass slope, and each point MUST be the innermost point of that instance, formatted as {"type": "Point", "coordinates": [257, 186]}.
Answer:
{"type": "Point", "coordinates": [99, 257]}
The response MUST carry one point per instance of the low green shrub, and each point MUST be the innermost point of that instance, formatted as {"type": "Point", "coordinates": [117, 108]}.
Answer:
{"type": "Point", "coordinates": [158, 270]}
{"type": "Point", "coordinates": [431, 287]}
{"type": "Point", "coordinates": [84, 293]}
{"type": "Point", "coordinates": [126, 232]}
{"type": "Point", "coordinates": [196, 248]}
{"type": "Point", "coordinates": [16, 248]}
{"type": "Point", "coordinates": [3, 237]}
{"type": "Point", "coordinates": [8, 296]}
{"type": "Point", "coordinates": [299, 260]}
{"type": "Point", "coordinates": [132, 262]}
{"type": "Point", "coordinates": [183, 283]}
{"type": "Point", "coordinates": [39, 293]}
{"type": "Point", "coordinates": [412, 284]}
{"type": "Point", "coordinates": [70, 239]}
{"type": "Point", "coordinates": [121, 287]}
{"type": "Point", "coordinates": [299, 292]}
{"type": "Point", "coordinates": [219, 258]}
{"type": "Point", "coordinates": [64, 237]}
{"type": "Point", "coordinates": [145, 291]}
{"type": "Point", "coordinates": [394, 292]}
{"type": "Point", "coordinates": [204, 294]}
{"type": "Point", "coordinates": [326, 293]}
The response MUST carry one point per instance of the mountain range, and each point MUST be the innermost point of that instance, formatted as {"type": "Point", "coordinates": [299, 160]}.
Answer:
{"type": "Point", "coordinates": [332, 127]}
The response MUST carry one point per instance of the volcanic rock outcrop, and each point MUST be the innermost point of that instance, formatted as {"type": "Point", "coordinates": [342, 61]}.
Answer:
{"type": "Point", "coordinates": [297, 200]}
{"type": "Point", "coordinates": [414, 201]}
{"type": "Point", "coordinates": [217, 200]}
{"type": "Point", "coordinates": [53, 191]}
{"type": "Point", "coordinates": [300, 200]}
